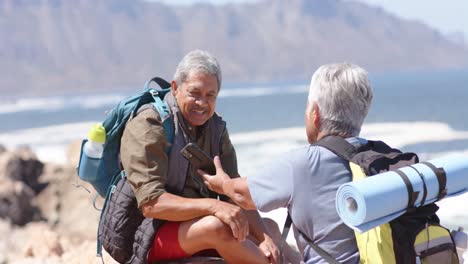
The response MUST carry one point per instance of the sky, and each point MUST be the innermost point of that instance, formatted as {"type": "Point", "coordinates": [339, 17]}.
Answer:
{"type": "Point", "coordinates": [447, 16]}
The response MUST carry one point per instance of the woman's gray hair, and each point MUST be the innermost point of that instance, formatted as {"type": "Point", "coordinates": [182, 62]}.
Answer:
{"type": "Point", "coordinates": [198, 61]}
{"type": "Point", "coordinates": [343, 94]}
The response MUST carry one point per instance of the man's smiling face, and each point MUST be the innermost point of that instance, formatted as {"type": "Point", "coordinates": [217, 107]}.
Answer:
{"type": "Point", "coordinates": [196, 97]}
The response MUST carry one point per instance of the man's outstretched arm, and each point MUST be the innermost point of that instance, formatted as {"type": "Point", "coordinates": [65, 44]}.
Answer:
{"type": "Point", "coordinates": [236, 189]}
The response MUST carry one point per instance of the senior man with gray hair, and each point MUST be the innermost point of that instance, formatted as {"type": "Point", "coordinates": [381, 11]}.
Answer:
{"type": "Point", "coordinates": [305, 180]}
{"type": "Point", "coordinates": [162, 210]}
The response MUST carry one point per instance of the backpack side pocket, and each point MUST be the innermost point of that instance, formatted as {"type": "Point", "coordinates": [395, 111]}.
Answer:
{"type": "Point", "coordinates": [87, 166]}
{"type": "Point", "coordinates": [434, 245]}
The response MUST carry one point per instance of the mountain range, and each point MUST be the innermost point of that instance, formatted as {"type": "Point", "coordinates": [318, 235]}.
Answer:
{"type": "Point", "coordinates": [63, 47]}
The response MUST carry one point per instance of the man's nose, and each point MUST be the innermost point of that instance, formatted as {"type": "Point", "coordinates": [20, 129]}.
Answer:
{"type": "Point", "coordinates": [201, 101]}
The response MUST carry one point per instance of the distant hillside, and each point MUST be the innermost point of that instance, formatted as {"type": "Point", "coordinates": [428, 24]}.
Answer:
{"type": "Point", "coordinates": [61, 45]}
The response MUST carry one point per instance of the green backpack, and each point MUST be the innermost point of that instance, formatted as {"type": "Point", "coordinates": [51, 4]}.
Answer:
{"type": "Point", "coordinates": [104, 173]}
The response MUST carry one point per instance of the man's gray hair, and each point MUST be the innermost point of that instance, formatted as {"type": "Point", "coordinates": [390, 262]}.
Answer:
{"type": "Point", "coordinates": [343, 94]}
{"type": "Point", "coordinates": [198, 61]}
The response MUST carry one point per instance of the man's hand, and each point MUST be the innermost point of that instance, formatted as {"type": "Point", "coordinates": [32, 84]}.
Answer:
{"type": "Point", "coordinates": [234, 217]}
{"type": "Point", "coordinates": [215, 182]}
{"type": "Point", "coordinates": [269, 248]}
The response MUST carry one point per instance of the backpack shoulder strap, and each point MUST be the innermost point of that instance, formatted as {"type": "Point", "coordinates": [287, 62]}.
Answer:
{"type": "Point", "coordinates": [339, 146]}
{"type": "Point", "coordinates": [163, 109]}
{"type": "Point", "coordinates": [284, 234]}
{"type": "Point", "coordinates": [320, 251]}
{"type": "Point", "coordinates": [160, 81]}
{"type": "Point", "coordinates": [155, 98]}
{"type": "Point", "coordinates": [342, 148]}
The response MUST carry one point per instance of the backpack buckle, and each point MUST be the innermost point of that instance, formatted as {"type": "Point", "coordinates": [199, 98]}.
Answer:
{"type": "Point", "coordinates": [154, 92]}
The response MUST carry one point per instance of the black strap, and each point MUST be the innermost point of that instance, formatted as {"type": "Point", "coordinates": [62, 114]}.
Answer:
{"type": "Point", "coordinates": [144, 107]}
{"type": "Point", "coordinates": [284, 235]}
{"type": "Point", "coordinates": [423, 200]}
{"type": "Point", "coordinates": [412, 195]}
{"type": "Point", "coordinates": [437, 249]}
{"type": "Point", "coordinates": [320, 251]}
{"type": "Point", "coordinates": [339, 146]}
{"type": "Point", "coordinates": [161, 82]}
{"type": "Point", "coordinates": [145, 98]}
{"type": "Point", "coordinates": [441, 178]}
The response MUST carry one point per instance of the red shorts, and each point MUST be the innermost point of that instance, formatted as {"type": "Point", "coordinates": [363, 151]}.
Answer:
{"type": "Point", "coordinates": [166, 243]}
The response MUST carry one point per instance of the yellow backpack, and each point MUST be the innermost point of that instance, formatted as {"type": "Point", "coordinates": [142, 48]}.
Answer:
{"type": "Point", "coordinates": [414, 237]}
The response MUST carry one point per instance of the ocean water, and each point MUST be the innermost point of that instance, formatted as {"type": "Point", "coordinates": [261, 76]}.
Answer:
{"type": "Point", "coordinates": [424, 112]}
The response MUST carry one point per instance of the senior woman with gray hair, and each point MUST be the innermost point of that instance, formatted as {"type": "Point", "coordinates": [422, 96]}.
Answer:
{"type": "Point", "coordinates": [305, 180]}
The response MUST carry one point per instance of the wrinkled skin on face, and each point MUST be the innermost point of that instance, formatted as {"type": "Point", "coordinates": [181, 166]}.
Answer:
{"type": "Point", "coordinates": [196, 97]}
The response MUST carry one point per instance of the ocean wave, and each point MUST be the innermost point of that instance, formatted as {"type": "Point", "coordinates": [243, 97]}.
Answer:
{"type": "Point", "coordinates": [49, 104]}
{"type": "Point", "coordinates": [263, 91]}
{"type": "Point", "coordinates": [260, 145]}
{"type": "Point", "coordinates": [98, 101]}
{"type": "Point", "coordinates": [30, 104]}
{"type": "Point", "coordinates": [49, 143]}
{"type": "Point", "coordinates": [257, 149]}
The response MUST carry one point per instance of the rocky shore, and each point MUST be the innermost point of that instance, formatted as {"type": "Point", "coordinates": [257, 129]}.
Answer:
{"type": "Point", "coordinates": [46, 212]}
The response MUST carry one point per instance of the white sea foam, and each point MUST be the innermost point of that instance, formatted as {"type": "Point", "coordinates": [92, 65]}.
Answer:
{"type": "Point", "coordinates": [257, 149]}
{"type": "Point", "coordinates": [406, 133]}
{"type": "Point", "coordinates": [49, 143]}
{"type": "Point", "coordinates": [97, 101]}
{"type": "Point", "coordinates": [58, 103]}
{"type": "Point", "coordinates": [254, 148]}
{"type": "Point", "coordinates": [261, 91]}
{"type": "Point", "coordinates": [29, 104]}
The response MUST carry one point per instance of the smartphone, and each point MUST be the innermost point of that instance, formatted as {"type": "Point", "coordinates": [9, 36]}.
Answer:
{"type": "Point", "coordinates": [198, 158]}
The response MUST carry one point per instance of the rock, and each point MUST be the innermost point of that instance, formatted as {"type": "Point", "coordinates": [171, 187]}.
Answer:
{"type": "Point", "coordinates": [69, 233]}
{"type": "Point", "coordinates": [19, 184]}
{"type": "Point", "coordinates": [48, 202]}
{"type": "Point", "coordinates": [2, 149]}
{"type": "Point", "coordinates": [78, 218]}
{"type": "Point", "coordinates": [24, 166]}
{"type": "Point", "coordinates": [84, 252]}
{"type": "Point", "coordinates": [66, 206]}
{"type": "Point", "coordinates": [42, 242]}
{"type": "Point", "coordinates": [53, 173]}
{"type": "Point", "coordinates": [68, 210]}
{"type": "Point", "coordinates": [5, 229]}
{"type": "Point", "coordinates": [18, 203]}
{"type": "Point", "coordinates": [73, 153]}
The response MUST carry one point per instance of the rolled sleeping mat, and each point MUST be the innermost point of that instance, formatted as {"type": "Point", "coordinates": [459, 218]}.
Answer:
{"type": "Point", "coordinates": [375, 200]}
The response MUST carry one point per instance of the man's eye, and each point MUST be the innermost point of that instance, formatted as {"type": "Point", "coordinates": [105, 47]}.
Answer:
{"type": "Point", "coordinates": [193, 94]}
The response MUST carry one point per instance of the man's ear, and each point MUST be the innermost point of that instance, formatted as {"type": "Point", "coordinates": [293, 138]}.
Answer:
{"type": "Point", "coordinates": [316, 115]}
{"type": "Point", "coordinates": [174, 88]}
